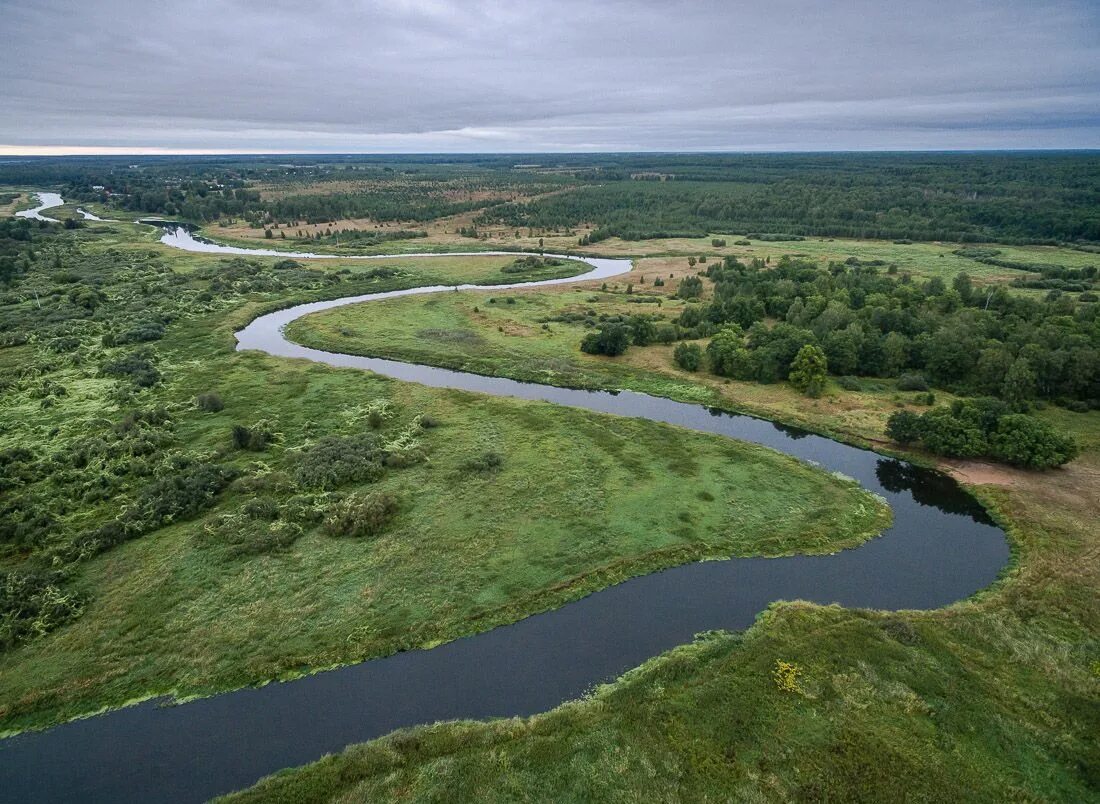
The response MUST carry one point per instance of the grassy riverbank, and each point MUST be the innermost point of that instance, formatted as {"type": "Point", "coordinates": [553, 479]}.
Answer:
{"type": "Point", "coordinates": [998, 695]}
{"type": "Point", "coordinates": [512, 335]}
{"type": "Point", "coordinates": [503, 507]}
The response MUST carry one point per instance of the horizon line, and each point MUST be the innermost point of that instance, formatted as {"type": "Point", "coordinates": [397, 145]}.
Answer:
{"type": "Point", "coordinates": [139, 151]}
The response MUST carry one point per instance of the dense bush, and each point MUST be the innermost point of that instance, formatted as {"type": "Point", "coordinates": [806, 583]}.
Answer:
{"type": "Point", "coordinates": [984, 428]}
{"type": "Point", "coordinates": [255, 530]}
{"type": "Point", "coordinates": [209, 402]}
{"type": "Point", "coordinates": [335, 461]}
{"type": "Point", "coordinates": [690, 287]}
{"type": "Point", "coordinates": [912, 382]}
{"type": "Point", "coordinates": [255, 438]}
{"type": "Point", "coordinates": [33, 604]}
{"type": "Point", "coordinates": [610, 339]}
{"type": "Point", "coordinates": [532, 263]}
{"type": "Point", "coordinates": [362, 514]}
{"type": "Point", "coordinates": [688, 356]}
{"type": "Point", "coordinates": [138, 367]}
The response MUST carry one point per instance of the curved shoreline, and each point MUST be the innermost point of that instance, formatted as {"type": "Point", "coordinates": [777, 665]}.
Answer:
{"type": "Point", "coordinates": [45, 201]}
{"type": "Point", "coordinates": [941, 548]}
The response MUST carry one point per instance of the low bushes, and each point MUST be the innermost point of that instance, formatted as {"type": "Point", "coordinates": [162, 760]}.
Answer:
{"type": "Point", "coordinates": [32, 604]}
{"type": "Point", "coordinates": [336, 461]}
{"type": "Point", "coordinates": [688, 356]}
{"type": "Point", "coordinates": [984, 428]}
{"type": "Point", "coordinates": [487, 462]}
{"type": "Point", "coordinates": [362, 515]}
{"type": "Point", "coordinates": [210, 402]}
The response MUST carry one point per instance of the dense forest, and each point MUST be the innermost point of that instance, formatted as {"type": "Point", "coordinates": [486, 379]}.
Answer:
{"type": "Point", "coordinates": [868, 322]}
{"type": "Point", "coordinates": [959, 197]}
{"type": "Point", "coordinates": [965, 197]}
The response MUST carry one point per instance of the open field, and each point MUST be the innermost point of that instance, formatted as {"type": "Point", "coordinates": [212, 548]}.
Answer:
{"type": "Point", "coordinates": [919, 259]}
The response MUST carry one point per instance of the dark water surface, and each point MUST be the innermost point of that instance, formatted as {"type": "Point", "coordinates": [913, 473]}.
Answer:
{"type": "Point", "coordinates": [941, 548]}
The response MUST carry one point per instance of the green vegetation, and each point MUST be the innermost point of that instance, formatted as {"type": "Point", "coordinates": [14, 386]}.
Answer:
{"type": "Point", "coordinates": [772, 197]}
{"type": "Point", "coordinates": [176, 517]}
{"type": "Point", "coordinates": [179, 517]}
{"type": "Point", "coordinates": [984, 427]}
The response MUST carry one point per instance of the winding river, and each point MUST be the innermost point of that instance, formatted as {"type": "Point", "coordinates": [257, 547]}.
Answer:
{"type": "Point", "coordinates": [45, 201]}
{"type": "Point", "coordinates": [941, 548]}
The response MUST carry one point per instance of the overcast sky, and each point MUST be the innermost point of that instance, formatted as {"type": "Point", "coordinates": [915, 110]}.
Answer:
{"type": "Point", "coordinates": [547, 75]}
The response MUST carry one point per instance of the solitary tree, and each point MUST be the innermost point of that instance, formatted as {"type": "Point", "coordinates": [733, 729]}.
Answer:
{"type": "Point", "coordinates": [808, 370]}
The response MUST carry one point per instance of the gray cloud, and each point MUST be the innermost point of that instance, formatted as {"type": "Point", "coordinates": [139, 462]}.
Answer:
{"type": "Point", "coordinates": [437, 75]}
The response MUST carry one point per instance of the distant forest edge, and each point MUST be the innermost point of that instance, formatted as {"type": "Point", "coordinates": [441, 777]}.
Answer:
{"type": "Point", "coordinates": [1015, 197]}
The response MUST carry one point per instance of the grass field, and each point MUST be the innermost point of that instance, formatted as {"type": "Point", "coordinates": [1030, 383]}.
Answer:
{"type": "Point", "coordinates": [578, 501]}
{"type": "Point", "coordinates": [998, 695]}
{"type": "Point", "coordinates": [484, 333]}
{"type": "Point", "coordinates": [920, 259]}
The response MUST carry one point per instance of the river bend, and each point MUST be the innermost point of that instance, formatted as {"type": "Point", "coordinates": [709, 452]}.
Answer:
{"type": "Point", "coordinates": [941, 548]}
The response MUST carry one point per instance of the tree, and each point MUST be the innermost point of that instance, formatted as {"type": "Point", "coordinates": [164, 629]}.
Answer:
{"type": "Point", "coordinates": [1019, 384]}
{"type": "Point", "coordinates": [688, 356]}
{"type": "Point", "coordinates": [895, 353]}
{"type": "Point", "coordinates": [723, 349]}
{"type": "Point", "coordinates": [642, 330]}
{"type": "Point", "coordinates": [610, 339]}
{"type": "Point", "coordinates": [904, 427]}
{"type": "Point", "coordinates": [842, 350]}
{"type": "Point", "coordinates": [962, 285]}
{"type": "Point", "coordinates": [808, 370]}
{"type": "Point", "coordinates": [1026, 441]}
{"type": "Point", "coordinates": [994, 364]}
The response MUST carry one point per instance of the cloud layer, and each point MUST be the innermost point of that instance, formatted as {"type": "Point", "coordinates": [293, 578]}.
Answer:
{"type": "Point", "coordinates": [435, 75]}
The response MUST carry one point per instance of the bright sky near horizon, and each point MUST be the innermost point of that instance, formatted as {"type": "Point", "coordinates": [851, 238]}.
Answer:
{"type": "Point", "coordinates": [202, 76]}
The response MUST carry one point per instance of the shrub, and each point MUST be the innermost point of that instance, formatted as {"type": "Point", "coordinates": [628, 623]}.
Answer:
{"type": "Point", "coordinates": [717, 243]}
{"type": "Point", "coordinates": [786, 676]}
{"type": "Point", "coordinates": [611, 340]}
{"type": "Point", "coordinates": [362, 515]}
{"type": "Point", "coordinates": [210, 402]}
{"type": "Point", "coordinates": [904, 427]}
{"type": "Point", "coordinates": [137, 367]}
{"type": "Point", "coordinates": [849, 383]}
{"type": "Point", "coordinates": [335, 461]}
{"type": "Point", "coordinates": [688, 356]}
{"type": "Point", "coordinates": [912, 382]}
{"type": "Point", "coordinates": [488, 461]}
{"type": "Point", "coordinates": [255, 438]}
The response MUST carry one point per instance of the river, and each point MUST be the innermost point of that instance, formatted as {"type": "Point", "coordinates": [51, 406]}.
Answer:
{"type": "Point", "coordinates": [941, 548]}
